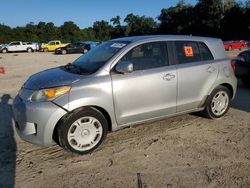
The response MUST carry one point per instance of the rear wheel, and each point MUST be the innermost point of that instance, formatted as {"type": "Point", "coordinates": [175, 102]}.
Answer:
{"type": "Point", "coordinates": [82, 131]}
{"type": "Point", "coordinates": [218, 103]}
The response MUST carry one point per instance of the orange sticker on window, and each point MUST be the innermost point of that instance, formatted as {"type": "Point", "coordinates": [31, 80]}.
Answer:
{"type": "Point", "coordinates": [188, 51]}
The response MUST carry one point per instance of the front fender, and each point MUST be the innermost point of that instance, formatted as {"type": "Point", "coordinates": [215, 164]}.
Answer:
{"type": "Point", "coordinates": [94, 91]}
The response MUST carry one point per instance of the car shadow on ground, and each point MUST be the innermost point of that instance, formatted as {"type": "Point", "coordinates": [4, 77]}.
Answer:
{"type": "Point", "coordinates": [242, 98]}
{"type": "Point", "coordinates": [7, 144]}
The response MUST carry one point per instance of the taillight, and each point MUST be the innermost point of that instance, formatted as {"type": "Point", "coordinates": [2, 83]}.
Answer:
{"type": "Point", "coordinates": [233, 65]}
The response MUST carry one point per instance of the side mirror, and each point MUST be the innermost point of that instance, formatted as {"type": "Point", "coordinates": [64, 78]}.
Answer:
{"type": "Point", "coordinates": [124, 67]}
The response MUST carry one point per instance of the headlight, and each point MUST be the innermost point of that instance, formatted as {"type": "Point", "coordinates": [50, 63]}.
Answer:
{"type": "Point", "coordinates": [49, 94]}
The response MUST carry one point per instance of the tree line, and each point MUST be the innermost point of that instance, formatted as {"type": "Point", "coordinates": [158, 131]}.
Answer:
{"type": "Point", "coordinates": [226, 19]}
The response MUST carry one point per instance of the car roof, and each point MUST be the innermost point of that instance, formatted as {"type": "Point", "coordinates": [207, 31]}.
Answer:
{"type": "Point", "coordinates": [165, 37]}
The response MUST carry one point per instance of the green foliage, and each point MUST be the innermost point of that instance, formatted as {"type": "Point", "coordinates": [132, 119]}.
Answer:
{"type": "Point", "coordinates": [139, 25]}
{"type": "Point", "coordinates": [70, 32]}
{"type": "Point", "coordinates": [102, 30]}
{"type": "Point", "coordinates": [176, 20]}
{"type": "Point", "coordinates": [227, 19]}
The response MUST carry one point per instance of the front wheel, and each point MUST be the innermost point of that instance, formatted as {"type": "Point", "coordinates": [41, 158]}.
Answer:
{"type": "Point", "coordinates": [29, 50]}
{"type": "Point", "coordinates": [4, 50]}
{"type": "Point", "coordinates": [82, 131]}
{"type": "Point", "coordinates": [45, 49]}
{"type": "Point", "coordinates": [218, 103]}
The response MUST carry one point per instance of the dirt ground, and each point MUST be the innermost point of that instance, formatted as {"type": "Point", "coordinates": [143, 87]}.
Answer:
{"type": "Point", "coordinates": [183, 151]}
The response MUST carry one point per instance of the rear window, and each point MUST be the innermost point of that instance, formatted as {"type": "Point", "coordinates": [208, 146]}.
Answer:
{"type": "Point", "coordinates": [245, 55]}
{"type": "Point", "coordinates": [192, 51]}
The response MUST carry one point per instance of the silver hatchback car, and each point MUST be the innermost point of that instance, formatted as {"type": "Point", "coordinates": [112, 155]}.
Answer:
{"type": "Point", "coordinates": [123, 82]}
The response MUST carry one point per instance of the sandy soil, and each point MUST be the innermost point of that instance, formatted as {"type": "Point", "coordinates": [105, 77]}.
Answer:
{"type": "Point", "coordinates": [184, 151]}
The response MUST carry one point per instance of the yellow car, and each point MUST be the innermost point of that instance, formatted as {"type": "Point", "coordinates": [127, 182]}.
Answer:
{"type": "Point", "coordinates": [52, 45]}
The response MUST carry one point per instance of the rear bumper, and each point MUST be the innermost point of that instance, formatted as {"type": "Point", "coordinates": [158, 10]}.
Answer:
{"type": "Point", "coordinates": [35, 121]}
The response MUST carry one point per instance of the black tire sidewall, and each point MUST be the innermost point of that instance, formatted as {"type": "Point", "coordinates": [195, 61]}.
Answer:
{"type": "Point", "coordinates": [71, 118]}
{"type": "Point", "coordinates": [208, 111]}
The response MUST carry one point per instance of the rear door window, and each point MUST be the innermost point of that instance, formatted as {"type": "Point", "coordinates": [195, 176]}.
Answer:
{"type": "Point", "coordinates": [192, 51]}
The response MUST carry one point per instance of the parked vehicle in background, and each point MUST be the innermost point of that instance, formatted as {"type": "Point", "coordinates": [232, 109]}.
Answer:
{"type": "Point", "coordinates": [38, 44]}
{"type": "Point", "coordinates": [52, 45]}
{"type": "Point", "coordinates": [76, 47]}
{"type": "Point", "coordinates": [232, 45]}
{"type": "Point", "coordinates": [91, 43]}
{"type": "Point", "coordinates": [242, 67]}
{"type": "Point", "coordinates": [123, 82]}
{"type": "Point", "coordinates": [19, 46]}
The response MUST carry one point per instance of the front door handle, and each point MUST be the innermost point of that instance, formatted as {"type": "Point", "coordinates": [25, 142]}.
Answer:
{"type": "Point", "coordinates": [168, 77]}
{"type": "Point", "coordinates": [211, 69]}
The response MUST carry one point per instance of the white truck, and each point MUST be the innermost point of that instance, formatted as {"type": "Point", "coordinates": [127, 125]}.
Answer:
{"type": "Point", "coordinates": [18, 46]}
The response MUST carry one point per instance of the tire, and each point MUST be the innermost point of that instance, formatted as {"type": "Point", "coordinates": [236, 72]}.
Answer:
{"type": "Point", "coordinates": [216, 108]}
{"type": "Point", "coordinates": [82, 131]}
{"type": "Point", "coordinates": [246, 81]}
{"type": "Point", "coordinates": [64, 52]}
{"type": "Point", "coordinates": [29, 50]}
{"type": "Point", "coordinates": [45, 49]}
{"type": "Point", "coordinates": [4, 50]}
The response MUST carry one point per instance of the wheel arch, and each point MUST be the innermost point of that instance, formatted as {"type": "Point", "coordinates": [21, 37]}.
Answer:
{"type": "Point", "coordinates": [229, 87]}
{"type": "Point", "coordinates": [100, 109]}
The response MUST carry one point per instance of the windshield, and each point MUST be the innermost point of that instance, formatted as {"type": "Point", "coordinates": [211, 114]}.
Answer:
{"type": "Point", "coordinates": [98, 56]}
{"type": "Point", "coordinates": [51, 43]}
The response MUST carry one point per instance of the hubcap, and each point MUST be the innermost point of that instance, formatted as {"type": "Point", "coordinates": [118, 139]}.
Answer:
{"type": "Point", "coordinates": [220, 103]}
{"type": "Point", "coordinates": [85, 133]}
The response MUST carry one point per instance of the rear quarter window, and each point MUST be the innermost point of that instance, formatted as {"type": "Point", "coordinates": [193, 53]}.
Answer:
{"type": "Point", "coordinates": [205, 52]}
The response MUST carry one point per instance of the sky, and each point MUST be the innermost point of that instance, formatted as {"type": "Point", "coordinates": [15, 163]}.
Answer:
{"type": "Point", "coordinates": [83, 12]}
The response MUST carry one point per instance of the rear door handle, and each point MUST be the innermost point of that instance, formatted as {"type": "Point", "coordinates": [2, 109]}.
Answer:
{"type": "Point", "coordinates": [168, 77]}
{"type": "Point", "coordinates": [211, 69]}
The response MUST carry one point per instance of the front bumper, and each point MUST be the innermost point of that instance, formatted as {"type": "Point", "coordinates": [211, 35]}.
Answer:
{"type": "Point", "coordinates": [57, 51]}
{"type": "Point", "coordinates": [35, 121]}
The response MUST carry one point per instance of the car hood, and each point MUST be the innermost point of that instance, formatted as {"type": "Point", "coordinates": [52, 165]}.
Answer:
{"type": "Point", "coordinates": [5, 45]}
{"type": "Point", "coordinates": [50, 78]}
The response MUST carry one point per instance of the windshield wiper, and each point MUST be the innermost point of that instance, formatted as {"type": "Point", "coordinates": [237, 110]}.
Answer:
{"type": "Point", "coordinates": [75, 69]}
